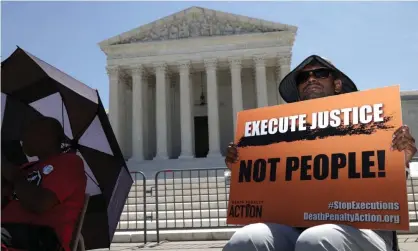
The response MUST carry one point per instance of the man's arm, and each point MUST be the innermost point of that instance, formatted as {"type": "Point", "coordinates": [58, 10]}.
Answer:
{"type": "Point", "coordinates": [56, 187]}
{"type": "Point", "coordinates": [34, 198]}
{"type": "Point", "coordinates": [66, 176]}
{"type": "Point", "coordinates": [31, 197]}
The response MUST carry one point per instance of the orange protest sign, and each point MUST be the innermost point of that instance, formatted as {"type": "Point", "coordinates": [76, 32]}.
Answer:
{"type": "Point", "coordinates": [321, 161]}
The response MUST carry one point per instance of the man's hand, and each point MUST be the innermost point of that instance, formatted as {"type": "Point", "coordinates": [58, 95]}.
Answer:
{"type": "Point", "coordinates": [403, 141]}
{"type": "Point", "coordinates": [32, 197]}
{"type": "Point", "coordinates": [231, 154]}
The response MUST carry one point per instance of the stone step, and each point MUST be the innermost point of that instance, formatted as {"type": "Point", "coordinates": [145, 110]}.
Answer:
{"type": "Point", "coordinates": [195, 180]}
{"type": "Point", "coordinates": [413, 206]}
{"type": "Point", "coordinates": [180, 186]}
{"type": "Point", "coordinates": [203, 184]}
{"type": "Point", "coordinates": [184, 192]}
{"type": "Point", "coordinates": [173, 224]}
{"type": "Point", "coordinates": [151, 207]}
{"type": "Point", "coordinates": [197, 214]}
{"type": "Point", "coordinates": [410, 189]}
{"type": "Point", "coordinates": [197, 234]}
{"type": "Point", "coordinates": [196, 208]}
{"type": "Point", "coordinates": [191, 223]}
{"type": "Point", "coordinates": [176, 199]}
{"type": "Point", "coordinates": [202, 191]}
{"type": "Point", "coordinates": [177, 178]}
{"type": "Point", "coordinates": [413, 197]}
{"type": "Point", "coordinates": [413, 181]}
{"type": "Point", "coordinates": [175, 235]}
{"type": "Point", "coordinates": [205, 197]}
{"type": "Point", "coordinates": [179, 214]}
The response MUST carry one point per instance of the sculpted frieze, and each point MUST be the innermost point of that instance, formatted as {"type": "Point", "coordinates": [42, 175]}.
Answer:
{"type": "Point", "coordinates": [196, 25]}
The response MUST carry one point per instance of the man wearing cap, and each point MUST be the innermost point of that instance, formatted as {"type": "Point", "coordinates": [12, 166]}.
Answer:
{"type": "Point", "coordinates": [316, 77]}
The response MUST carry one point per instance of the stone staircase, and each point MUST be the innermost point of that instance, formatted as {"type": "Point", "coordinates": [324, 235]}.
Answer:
{"type": "Point", "coordinates": [192, 208]}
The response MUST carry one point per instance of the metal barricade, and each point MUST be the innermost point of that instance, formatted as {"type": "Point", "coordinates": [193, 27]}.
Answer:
{"type": "Point", "coordinates": [191, 199]}
{"type": "Point", "coordinates": [412, 191]}
{"type": "Point", "coordinates": [134, 215]}
{"type": "Point", "coordinates": [198, 199]}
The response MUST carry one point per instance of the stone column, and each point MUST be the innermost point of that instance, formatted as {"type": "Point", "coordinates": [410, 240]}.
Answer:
{"type": "Point", "coordinates": [235, 66]}
{"type": "Point", "coordinates": [213, 108]}
{"type": "Point", "coordinates": [186, 116]}
{"type": "Point", "coordinates": [161, 111]}
{"type": "Point", "coordinates": [116, 104]}
{"type": "Point", "coordinates": [261, 81]}
{"type": "Point", "coordinates": [151, 149]}
{"type": "Point", "coordinates": [283, 68]}
{"type": "Point", "coordinates": [126, 80]}
{"type": "Point", "coordinates": [139, 112]}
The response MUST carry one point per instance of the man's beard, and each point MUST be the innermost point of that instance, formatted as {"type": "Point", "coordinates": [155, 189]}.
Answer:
{"type": "Point", "coordinates": [313, 96]}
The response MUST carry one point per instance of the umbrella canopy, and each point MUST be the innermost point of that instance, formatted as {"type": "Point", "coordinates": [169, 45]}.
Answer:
{"type": "Point", "coordinates": [32, 88]}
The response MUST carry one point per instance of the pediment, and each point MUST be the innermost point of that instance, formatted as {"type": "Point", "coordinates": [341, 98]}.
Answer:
{"type": "Point", "coordinates": [197, 22]}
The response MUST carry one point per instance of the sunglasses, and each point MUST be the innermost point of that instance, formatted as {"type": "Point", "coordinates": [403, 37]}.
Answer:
{"type": "Point", "coordinates": [303, 76]}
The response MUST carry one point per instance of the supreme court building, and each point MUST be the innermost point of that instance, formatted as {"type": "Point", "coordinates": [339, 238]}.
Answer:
{"type": "Point", "coordinates": [176, 84]}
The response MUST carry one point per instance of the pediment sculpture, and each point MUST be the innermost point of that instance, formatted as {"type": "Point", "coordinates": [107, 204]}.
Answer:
{"type": "Point", "coordinates": [196, 25]}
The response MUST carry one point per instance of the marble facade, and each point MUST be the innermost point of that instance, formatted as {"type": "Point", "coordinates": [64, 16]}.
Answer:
{"type": "Point", "coordinates": [188, 74]}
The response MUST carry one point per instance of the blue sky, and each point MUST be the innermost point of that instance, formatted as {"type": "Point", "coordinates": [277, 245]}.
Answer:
{"type": "Point", "coordinates": [376, 44]}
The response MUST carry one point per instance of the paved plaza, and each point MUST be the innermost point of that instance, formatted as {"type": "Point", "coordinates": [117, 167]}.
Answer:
{"type": "Point", "coordinates": [407, 242]}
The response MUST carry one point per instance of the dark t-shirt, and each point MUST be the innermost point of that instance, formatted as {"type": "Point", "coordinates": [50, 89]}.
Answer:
{"type": "Point", "coordinates": [64, 175]}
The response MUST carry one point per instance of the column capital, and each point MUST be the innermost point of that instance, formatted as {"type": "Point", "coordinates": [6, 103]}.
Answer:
{"type": "Point", "coordinates": [169, 74]}
{"type": "Point", "coordinates": [259, 60]}
{"type": "Point", "coordinates": [161, 67]}
{"type": "Point", "coordinates": [137, 70]}
{"type": "Point", "coordinates": [184, 65]}
{"type": "Point", "coordinates": [124, 73]}
{"type": "Point", "coordinates": [126, 78]}
{"type": "Point", "coordinates": [211, 63]}
{"type": "Point", "coordinates": [113, 70]}
{"type": "Point", "coordinates": [278, 71]}
{"type": "Point", "coordinates": [284, 59]}
{"type": "Point", "coordinates": [235, 63]}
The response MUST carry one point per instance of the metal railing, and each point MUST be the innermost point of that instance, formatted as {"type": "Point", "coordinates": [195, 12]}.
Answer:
{"type": "Point", "coordinates": [134, 215]}
{"type": "Point", "coordinates": [412, 190]}
{"type": "Point", "coordinates": [194, 199]}
{"type": "Point", "coordinates": [191, 199]}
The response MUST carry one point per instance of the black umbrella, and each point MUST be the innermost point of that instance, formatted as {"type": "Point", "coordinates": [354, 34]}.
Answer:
{"type": "Point", "coordinates": [30, 88]}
